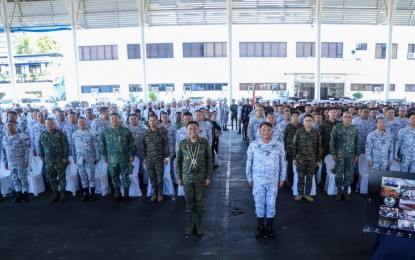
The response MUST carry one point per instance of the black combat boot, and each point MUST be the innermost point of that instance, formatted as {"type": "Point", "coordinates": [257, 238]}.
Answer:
{"type": "Point", "coordinates": [141, 179]}
{"type": "Point", "coordinates": [190, 226]}
{"type": "Point", "coordinates": [63, 196]}
{"type": "Point", "coordinates": [92, 197]}
{"type": "Point", "coordinates": [339, 195]}
{"type": "Point", "coordinates": [260, 230]}
{"type": "Point", "coordinates": [25, 197]}
{"type": "Point", "coordinates": [1, 196]}
{"type": "Point", "coordinates": [198, 221]}
{"type": "Point", "coordinates": [346, 195]}
{"type": "Point", "coordinates": [270, 228]}
{"type": "Point", "coordinates": [117, 195]}
{"type": "Point", "coordinates": [86, 196]}
{"type": "Point", "coordinates": [18, 196]}
{"type": "Point", "coordinates": [55, 197]}
{"type": "Point", "coordinates": [126, 194]}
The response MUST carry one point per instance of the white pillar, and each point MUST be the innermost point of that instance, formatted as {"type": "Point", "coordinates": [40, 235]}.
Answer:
{"type": "Point", "coordinates": [229, 49]}
{"type": "Point", "coordinates": [318, 50]}
{"type": "Point", "coordinates": [73, 14]}
{"type": "Point", "coordinates": [7, 31]}
{"type": "Point", "coordinates": [389, 47]}
{"type": "Point", "coordinates": [141, 8]}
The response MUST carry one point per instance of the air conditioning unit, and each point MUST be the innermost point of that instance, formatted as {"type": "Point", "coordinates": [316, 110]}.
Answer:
{"type": "Point", "coordinates": [94, 90]}
{"type": "Point", "coordinates": [169, 89]}
{"type": "Point", "coordinates": [116, 90]}
{"type": "Point", "coordinates": [274, 87]}
{"type": "Point", "coordinates": [187, 88]}
{"type": "Point", "coordinates": [251, 88]}
{"type": "Point", "coordinates": [377, 89]}
{"type": "Point", "coordinates": [411, 55]}
{"type": "Point", "coordinates": [155, 89]}
{"type": "Point", "coordinates": [225, 87]}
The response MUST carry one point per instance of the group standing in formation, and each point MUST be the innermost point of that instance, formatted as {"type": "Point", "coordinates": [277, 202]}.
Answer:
{"type": "Point", "coordinates": [284, 137]}
{"type": "Point", "coordinates": [184, 137]}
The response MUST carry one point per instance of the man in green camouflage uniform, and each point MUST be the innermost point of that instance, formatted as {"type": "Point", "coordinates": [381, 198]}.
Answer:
{"type": "Point", "coordinates": [54, 152]}
{"type": "Point", "coordinates": [156, 155]}
{"type": "Point", "coordinates": [289, 132]}
{"type": "Point", "coordinates": [194, 167]}
{"type": "Point", "coordinates": [344, 147]}
{"type": "Point", "coordinates": [118, 150]}
{"type": "Point", "coordinates": [325, 134]}
{"type": "Point", "coordinates": [306, 155]}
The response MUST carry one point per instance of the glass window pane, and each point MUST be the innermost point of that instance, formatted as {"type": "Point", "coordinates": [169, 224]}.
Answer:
{"type": "Point", "coordinates": [251, 49]}
{"type": "Point", "coordinates": [267, 50]}
{"type": "Point", "coordinates": [210, 49]}
{"type": "Point", "coordinates": [258, 49]}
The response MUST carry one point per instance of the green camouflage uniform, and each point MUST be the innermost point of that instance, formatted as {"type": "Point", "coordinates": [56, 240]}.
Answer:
{"type": "Point", "coordinates": [156, 149]}
{"type": "Point", "coordinates": [306, 151]}
{"type": "Point", "coordinates": [54, 149]}
{"type": "Point", "coordinates": [117, 147]}
{"type": "Point", "coordinates": [194, 175]}
{"type": "Point", "coordinates": [289, 132]}
{"type": "Point", "coordinates": [344, 144]}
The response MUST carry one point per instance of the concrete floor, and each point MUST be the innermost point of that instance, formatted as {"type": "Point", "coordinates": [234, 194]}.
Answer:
{"type": "Point", "coordinates": [325, 229]}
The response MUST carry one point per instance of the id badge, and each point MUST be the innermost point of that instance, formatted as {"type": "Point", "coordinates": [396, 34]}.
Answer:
{"type": "Point", "coordinates": [85, 144]}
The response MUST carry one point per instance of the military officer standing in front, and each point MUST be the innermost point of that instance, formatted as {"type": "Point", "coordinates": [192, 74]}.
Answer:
{"type": "Point", "coordinates": [306, 156]}
{"type": "Point", "coordinates": [405, 148]}
{"type": "Point", "coordinates": [54, 152]}
{"type": "Point", "coordinates": [379, 147]}
{"type": "Point", "coordinates": [344, 147]}
{"type": "Point", "coordinates": [118, 150]}
{"type": "Point", "coordinates": [265, 172]}
{"type": "Point", "coordinates": [194, 168]}
{"type": "Point", "coordinates": [86, 154]}
{"type": "Point", "coordinates": [156, 155]}
{"type": "Point", "coordinates": [16, 149]}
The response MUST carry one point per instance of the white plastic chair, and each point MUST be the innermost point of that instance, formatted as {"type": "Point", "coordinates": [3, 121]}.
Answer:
{"type": "Point", "coordinates": [5, 180]}
{"type": "Point", "coordinates": [318, 175]}
{"type": "Point", "coordinates": [34, 175]}
{"type": "Point", "coordinates": [134, 190]}
{"type": "Point", "coordinates": [101, 178]}
{"type": "Point", "coordinates": [363, 174]}
{"type": "Point", "coordinates": [295, 186]}
{"type": "Point", "coordinates": [330, 185]}
{"type": "Point", "coordinates": [72, 177]}
{"type": "Point", "coordinates": [168, 188]}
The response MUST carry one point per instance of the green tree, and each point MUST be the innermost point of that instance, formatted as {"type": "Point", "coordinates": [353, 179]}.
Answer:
{"type": "Point", "coordinates": [46, 44]}
{"type": "Point", "coordinates": [152, 96]}
{"type": "Point", "coordinates": [24, 45]}
{"type": "Point", "coordinates": [358, 95]}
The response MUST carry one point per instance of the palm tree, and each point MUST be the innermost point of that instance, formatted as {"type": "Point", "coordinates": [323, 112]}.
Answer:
{"type": "Point", "coordinates": [24, 45]}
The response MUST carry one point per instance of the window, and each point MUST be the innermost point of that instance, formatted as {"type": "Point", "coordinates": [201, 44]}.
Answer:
{"type": "Point", "coordinates": [99, 52]}
{"type": "Point", "coordinates": [306, 49]}
{"type": "Point", "coordinates": [204, 49]}
{"type": "Point", "coordinates": [370, 87]}
{"type": "Point", "coordinates": [205, 86]}
{"type": "Point", "coordinates": [135, 88]}
{"type": "Point", "coordinates": [133, 51]}
{"type": "Point", "coordinates": [264, 86]}
{"type": "Point", "coordinates": [361, 46]}
{"type": "Point", "coordinates": [101, 88]}
{"type": "Point", "coordinates": [409, 87]}
{"type": "Point", "coordinates": [159, 50]}
{"type": "Point", "coordinates": [332, 50]}
{"type": "Point", "coordinates": [161, 87]}
{"type": "Point", "coordinates": [380, 52]}
{"type": "Point", "coordinates": [411, 51]}
{"type": "Point", "coordinates": [263, 49]}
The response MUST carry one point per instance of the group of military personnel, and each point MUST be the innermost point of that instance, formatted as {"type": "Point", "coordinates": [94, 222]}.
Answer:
{"type": "Point", "coordinates": [308, 134]}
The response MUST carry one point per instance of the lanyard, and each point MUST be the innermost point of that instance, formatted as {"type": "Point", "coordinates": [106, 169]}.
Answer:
{"type": "Point", "coordinates": [193, 154]}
